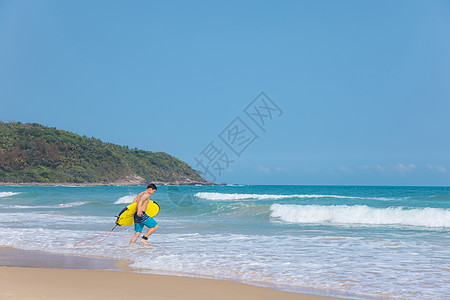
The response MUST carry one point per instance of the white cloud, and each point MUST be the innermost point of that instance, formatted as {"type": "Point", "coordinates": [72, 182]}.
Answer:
{"type": "Point", "coordinates": [342, 168]}
{"type": "Point", "coordinates": [402, 169]}
{"type": "Point", "coordinates": [441, 169]}
{"type": "Point", "coordinates": [437, 168]}
{"type": "Point", "coordinates": [265, 170]}
{"type": "Point", "coordinates": [379, 168]}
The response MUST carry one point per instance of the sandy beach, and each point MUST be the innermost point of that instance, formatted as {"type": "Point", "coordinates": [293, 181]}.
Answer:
{"type": "Point", "coordinates": [42, 279]}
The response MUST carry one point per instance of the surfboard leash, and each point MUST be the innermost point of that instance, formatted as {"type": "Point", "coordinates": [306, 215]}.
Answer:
{"type": "Point", "coordinates": [96, 237]}
{"type": "Point", "coordinates": [117, 224]}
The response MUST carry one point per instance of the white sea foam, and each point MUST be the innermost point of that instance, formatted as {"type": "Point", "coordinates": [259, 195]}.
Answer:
{"type": "Point", "coordinates": [125, 199]}
{"type": "Point", "coordinates": [224, 197]}
{"type": "Point", "coordinates": [61, 205]}
{"type": "Point", "coordinates": [72, 204]}
{"type": "Point", "coordinates": [7, 194]}
{"type": "Point", "coordinates": [54, 219]}
{"type": "Point", "coordinates": [375, 266]}
{"type": "Point", "coordinates": [362, 214]}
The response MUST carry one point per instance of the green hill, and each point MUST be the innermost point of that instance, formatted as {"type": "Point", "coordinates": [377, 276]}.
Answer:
{"type": "Point", "coordinates": [32, 153]}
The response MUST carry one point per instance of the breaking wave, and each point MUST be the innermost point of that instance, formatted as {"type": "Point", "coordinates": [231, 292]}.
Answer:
{"type": "Point", "coordinates": [7, 194]}
{"type": "Point", "coordinates": [61, 205]}
{"type": "Point", "coordinates": [224, 197]}
{"type": "Point", "coordinates": [125, 199]}
{"type": "Point", "coordinates": [362, 214]}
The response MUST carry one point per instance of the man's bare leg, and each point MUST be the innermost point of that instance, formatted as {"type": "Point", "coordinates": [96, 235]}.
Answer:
{"type": "Point", "coordinates": [135, 237]}
{"type": "Point", "coordinates": [148, 233]}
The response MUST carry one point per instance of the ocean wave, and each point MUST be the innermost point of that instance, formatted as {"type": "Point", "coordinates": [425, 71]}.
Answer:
{"type": "Point", "coordinates": [72, 204]}
{"type": "Point", "coordinates": [61, 205]}
{"type": "Point", "coordinates": [48, 219]}
{"type": "Point", "coordinates": [7, 194]}
{"type": "Point", "coordinates": [362, 214]}
{"type": "Point", "coordinates": [224, 197]}
{"type": "Point", "coordinates": [125, 199]}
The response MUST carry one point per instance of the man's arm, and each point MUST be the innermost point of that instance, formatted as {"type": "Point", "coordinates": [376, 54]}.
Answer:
{"type": "Point", "coordinates": [140, 203]}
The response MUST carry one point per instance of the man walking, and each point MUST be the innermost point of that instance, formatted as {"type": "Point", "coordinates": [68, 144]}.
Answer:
{"type": "Point", "coordinates": [141, 218]}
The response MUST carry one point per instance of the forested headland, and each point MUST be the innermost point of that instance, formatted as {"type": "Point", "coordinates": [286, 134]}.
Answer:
{"type": "Point", "coordinates": [33, 153]}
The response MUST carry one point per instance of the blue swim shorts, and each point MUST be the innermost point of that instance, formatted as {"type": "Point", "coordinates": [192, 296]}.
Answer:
{"type": "Point", "coordinates": [149, 222]}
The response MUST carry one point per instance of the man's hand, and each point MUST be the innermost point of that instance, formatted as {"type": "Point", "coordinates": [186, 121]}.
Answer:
{"type": "Point", "coordinates": [139, 213]}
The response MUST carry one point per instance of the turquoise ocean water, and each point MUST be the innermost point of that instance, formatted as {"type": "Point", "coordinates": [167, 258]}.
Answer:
{"type": "Point", "coordinates": [361, 242]}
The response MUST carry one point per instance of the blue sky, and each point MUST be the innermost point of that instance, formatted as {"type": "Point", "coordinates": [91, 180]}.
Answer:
{"type": "Point", "coordinates": [363, 85]}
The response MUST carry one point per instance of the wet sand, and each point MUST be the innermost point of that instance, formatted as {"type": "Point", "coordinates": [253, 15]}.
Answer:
{"type": "Point", "coordinates": [38, 275]}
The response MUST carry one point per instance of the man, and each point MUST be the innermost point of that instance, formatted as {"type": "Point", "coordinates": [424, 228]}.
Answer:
{"type": "Point", "coordinates": [141, 218]}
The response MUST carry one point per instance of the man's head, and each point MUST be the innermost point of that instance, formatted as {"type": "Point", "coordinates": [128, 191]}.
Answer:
{"type": "Point", "coordinates": [151, 188]}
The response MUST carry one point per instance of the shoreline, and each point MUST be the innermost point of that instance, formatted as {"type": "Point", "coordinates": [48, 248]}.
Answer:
{"type": "Point", "coordinates": [13, 257]}
{"type": "Point", "coordinates": [113, 279]}
{"type": "Point", "coordinates": [158, 183]}
{"type": "Point", "coordinates": [129, 180]}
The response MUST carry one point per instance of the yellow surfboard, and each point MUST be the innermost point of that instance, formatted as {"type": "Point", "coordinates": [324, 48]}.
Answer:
{"type": "Point", "coordinates": [126, 216]}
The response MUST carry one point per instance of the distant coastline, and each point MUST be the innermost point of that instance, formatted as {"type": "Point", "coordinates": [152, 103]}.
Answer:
{"type": "Point", "coordinates": [123, 182]}
{"type": "Point", "coordinates": [99, 184]}
{"type": "Point", "coordinates": [36, 155]}
{"type": "Point", "coordinates": [130, 180]}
